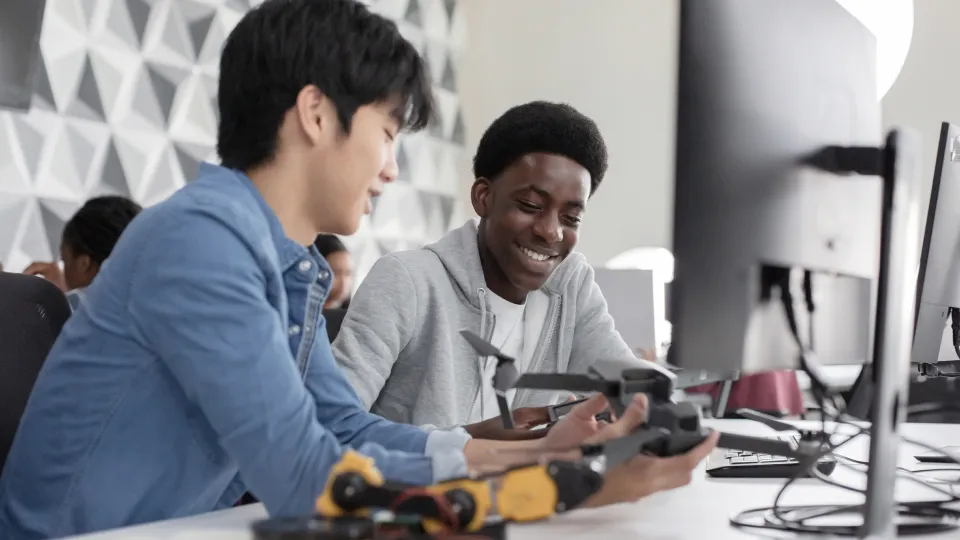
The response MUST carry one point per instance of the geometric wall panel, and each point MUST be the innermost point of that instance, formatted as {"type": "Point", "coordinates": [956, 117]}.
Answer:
{"type": "Point", "coordinates": [125, 103]}
{"type": "Point", "coordinates": [422, 205]}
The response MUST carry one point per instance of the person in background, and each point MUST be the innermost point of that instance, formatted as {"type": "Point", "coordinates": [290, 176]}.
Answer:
{"type": "Point", "coordinates": [196, 369]}
{"type": "Point", "coordinates": [338, 257]}
{"type": "Point", "coordinates": [515, 279]}
{"type": "Point", "coordinates": [87, 240]}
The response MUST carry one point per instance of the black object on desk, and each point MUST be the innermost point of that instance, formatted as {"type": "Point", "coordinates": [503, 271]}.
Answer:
{"type": "Point", "coordinates": [940, 457]}
{"type": "Point", "coordinates": [739, 464]}
{"type": "Point", "coordinates": [734, 463]}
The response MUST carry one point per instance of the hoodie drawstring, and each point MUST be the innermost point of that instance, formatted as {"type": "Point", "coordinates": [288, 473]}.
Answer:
{"type": "Point", "coordinates": [482, 296]}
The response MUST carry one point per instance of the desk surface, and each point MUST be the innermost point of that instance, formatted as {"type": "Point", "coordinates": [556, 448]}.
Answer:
{"type": "Point", "coordinates": [665, 516]}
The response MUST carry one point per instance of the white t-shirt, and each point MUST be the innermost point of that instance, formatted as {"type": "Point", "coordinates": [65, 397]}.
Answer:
{"type": "Point", "coordinates": [516, 331]}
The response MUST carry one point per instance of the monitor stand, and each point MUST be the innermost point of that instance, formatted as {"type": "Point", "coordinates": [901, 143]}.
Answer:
{"type": "Point", "coordinates": [897, 164]}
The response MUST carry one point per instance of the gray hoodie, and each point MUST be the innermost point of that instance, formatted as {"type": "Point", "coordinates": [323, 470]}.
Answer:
{"type": "Point", "coordinates": [400, 342]}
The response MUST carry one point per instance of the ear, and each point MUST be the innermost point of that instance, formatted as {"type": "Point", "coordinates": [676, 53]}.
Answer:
{"type": "Point", "coordinates": [312, 115]}
{"type": "Point", "coordinates": [480, 194]}
{"type": "Point", "coordinates": [88, 268]}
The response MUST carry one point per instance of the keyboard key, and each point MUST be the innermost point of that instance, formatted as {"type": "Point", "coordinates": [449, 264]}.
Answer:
{"type": "Point", "coordinates": [744, 460]}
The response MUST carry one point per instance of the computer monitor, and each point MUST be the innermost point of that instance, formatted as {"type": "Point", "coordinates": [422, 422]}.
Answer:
{"type": "Point", "coordinates": [938, 293]}
{"type": "Point", "coordinates": [20, 25]}
{"type": "Point", "coordinates": [938, 279]}
{"type": "Point", "coordinates": [758, 93]}
{"type": "Point", "coordinates": [631, 301]}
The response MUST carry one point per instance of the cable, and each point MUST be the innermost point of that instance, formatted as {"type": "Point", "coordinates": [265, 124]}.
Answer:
{"type": "Point", "coordinates": [955, 327]}
{"type": "Point", "coordinates": [796, 519]}
{"type": "Point", "coordinates": [808, 300]}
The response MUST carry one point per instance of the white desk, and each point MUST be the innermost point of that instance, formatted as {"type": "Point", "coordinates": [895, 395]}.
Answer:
{"type": "Point", "coordinates": [699, 511]}
{"type": "Point", "coordinates": [839, 378]}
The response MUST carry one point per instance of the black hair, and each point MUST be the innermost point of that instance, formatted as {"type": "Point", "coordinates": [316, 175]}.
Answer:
{"type": "Point", "coordinates": [97, 225]}
{"type": "Point", "coordinates": [352, 55]}
{"type": "Point", "coordinates": [328, 244]}
{"type": "Point", "coordinates": [541, 126]}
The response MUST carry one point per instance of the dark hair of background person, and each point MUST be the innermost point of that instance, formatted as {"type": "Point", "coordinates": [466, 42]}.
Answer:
{"type": "Point", "coordinates": [341, 264]}
{"type": "Point", "coordinates": [541, 127]}
{"type": "Point", "coordinates": [97, 225]}
{"type": "Point", "coordinates": [329, 243]}
{"type": "Point", "coordinates": [352, 55]}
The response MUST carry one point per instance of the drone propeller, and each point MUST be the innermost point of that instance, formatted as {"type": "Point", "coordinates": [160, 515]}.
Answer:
{"type": "Point", "coordinates": [507, 377]}
{"type": "Point", "coordinates": [482, 346]}
{"type": "Point", "coordinates": [571, 382]}
{"type": "Point", "coordinates": [504, 376]}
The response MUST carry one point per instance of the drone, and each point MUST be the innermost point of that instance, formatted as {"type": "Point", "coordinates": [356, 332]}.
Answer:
{"type": "Point", "coordinates": [356, 494]}
{"type": "Point", "coordinates": [671, 428]}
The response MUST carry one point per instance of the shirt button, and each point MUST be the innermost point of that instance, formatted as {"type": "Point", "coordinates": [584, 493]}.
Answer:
{"type": "Point", "coordinates": [294, 329]}
{"type": "Point", "coordinates": [323, 275]}
{"type": "Point", "coordinates": [305, 266]}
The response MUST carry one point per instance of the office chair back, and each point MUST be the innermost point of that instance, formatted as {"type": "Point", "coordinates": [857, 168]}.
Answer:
{"type": "Point", "coordinates": [32, 312]}
{"type": "Point", "coordinates": [334, 319]}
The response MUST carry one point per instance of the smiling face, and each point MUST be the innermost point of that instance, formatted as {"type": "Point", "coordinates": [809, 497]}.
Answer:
{"type": "Point", "coordinates": [530, 218]}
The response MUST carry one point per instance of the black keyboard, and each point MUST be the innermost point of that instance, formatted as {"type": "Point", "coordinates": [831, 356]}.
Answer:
{"type": "Point", "coordinates": [724, 463]}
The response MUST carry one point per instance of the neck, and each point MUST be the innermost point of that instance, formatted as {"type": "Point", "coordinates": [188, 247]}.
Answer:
{"type": "Point", "coordinates": [494, 276]}
{"type": "Point", "coordinates": [285, 198]}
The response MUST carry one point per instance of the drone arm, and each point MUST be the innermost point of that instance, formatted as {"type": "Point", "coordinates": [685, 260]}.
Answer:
{"type": "Point", "coordinates": [506, 415]}
{"type": "Point", "coordinates": [567, 382]}
{"type": "Point", "coordinates": [771, 422]}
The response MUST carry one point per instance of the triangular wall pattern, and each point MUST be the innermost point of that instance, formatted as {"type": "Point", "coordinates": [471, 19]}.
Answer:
{"type": "Point", "coordinates": [124, 103]}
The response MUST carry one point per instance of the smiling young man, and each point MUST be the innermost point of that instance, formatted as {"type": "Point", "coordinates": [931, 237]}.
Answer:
{"type": "Point", "coordinates": [515, 279]}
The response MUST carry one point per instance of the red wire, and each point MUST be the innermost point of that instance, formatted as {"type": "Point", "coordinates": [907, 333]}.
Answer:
{"type": "Point", "coordinates": [448, 517]}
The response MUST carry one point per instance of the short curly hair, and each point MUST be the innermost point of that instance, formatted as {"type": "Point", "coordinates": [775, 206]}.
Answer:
{"type": "Point", "coordinates": [541, 126]}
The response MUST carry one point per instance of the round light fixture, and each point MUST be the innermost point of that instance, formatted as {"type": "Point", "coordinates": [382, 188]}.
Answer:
{"type": "Point", "coordinates": [891, 21]}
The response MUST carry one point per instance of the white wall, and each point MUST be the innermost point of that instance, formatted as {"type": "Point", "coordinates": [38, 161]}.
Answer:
{"type": "Point", "coordinates": [928, 89]}
{"type": "Point", "coordinates": [615, 60]}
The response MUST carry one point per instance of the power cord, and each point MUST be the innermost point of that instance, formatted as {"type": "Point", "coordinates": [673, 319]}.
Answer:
{"type": "Point", "coordinates": [955, 327]}
{"type": "Point", "coordinates": [808, 300]}
{"type": "Point", "coordinates": [930, 516]}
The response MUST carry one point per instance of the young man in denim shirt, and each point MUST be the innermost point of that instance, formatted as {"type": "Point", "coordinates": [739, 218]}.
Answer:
{"type": "Point", "coordinates": [198, 366]}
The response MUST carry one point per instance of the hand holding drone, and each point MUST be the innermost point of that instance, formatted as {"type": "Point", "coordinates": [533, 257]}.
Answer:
{"type": "Point", "coordinates": [483, 504]}
{"type": "Point", "coordinates": [671, 428]}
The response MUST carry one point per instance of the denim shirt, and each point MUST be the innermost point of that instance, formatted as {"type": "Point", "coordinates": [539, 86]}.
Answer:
{"type": "Point", "coordinates": [74, 298]}
{"type": "Point", "coordinates": [196, 368]}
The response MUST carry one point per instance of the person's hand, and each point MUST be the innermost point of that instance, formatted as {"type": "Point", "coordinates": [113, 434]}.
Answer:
{"type": "Point", "coordinates": [524, 419]}
{"type": "Point", "coordinates": [49, 271]}
{"type": "Point", "coordinates": [530, 417]}
{"type": "Point", "coordinates": [580, 425]}
{"type": "Point", "coordinates": [644, 475]}
{"type": "Point", "coordinates": [633, 416]}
